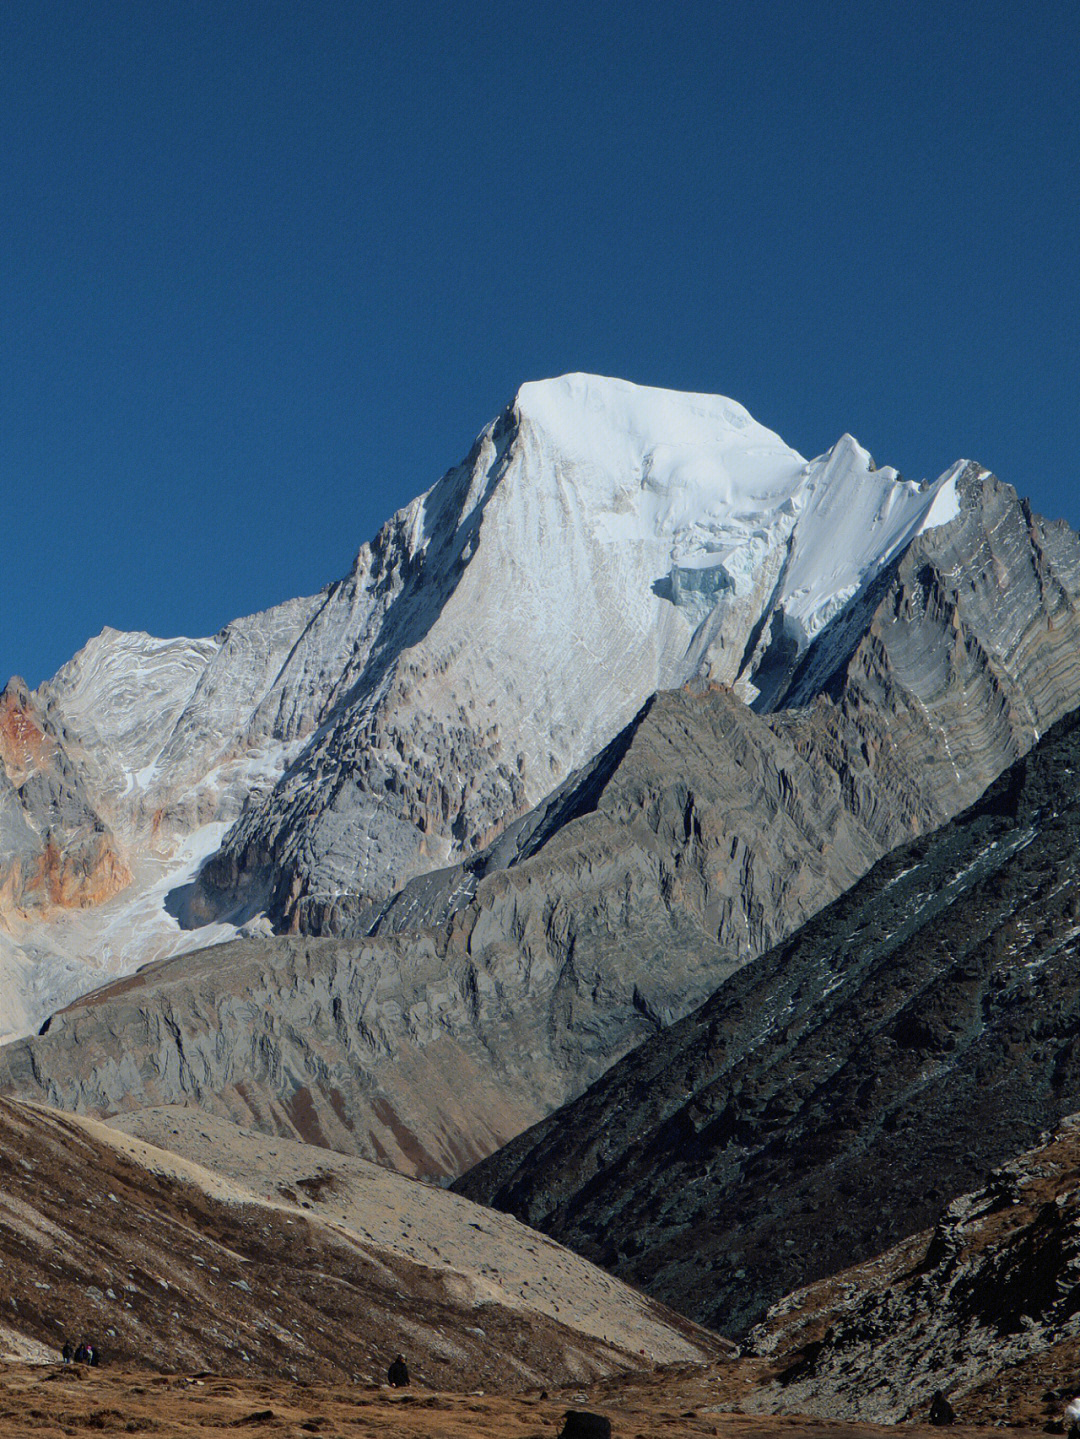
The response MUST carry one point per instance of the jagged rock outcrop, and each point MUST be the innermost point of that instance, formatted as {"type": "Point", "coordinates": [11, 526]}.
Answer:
{"type": "Point", "coordinates": [830, 1096]}
{"type": "Point", "coordinates": [55, 850]}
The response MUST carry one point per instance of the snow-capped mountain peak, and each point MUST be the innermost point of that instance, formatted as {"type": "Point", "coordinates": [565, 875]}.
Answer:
{"type": "Point", "coordinates": [602, 540]}
{"type": "Point", "coordinates": [715, 496]}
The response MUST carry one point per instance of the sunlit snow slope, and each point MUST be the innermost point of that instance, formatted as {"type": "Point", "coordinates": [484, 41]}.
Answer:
{"type": "Point", "coordinates": [601, 541]}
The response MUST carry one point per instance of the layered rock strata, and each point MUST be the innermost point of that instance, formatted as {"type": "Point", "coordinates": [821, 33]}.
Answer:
{"type": "Point", "coordinates": [583, 930]}
{"type": "Point", "coordinates": [695, 839]}
{"type": "Point", "coordinates": [831, 1095]}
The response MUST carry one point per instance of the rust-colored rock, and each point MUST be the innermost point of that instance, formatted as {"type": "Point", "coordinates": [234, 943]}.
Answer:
{"type": "Point", "coordinates": [55, 850]}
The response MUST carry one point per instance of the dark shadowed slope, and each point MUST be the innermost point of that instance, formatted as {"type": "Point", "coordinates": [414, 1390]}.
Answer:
{"type": "Point", "coordinates": [984, 1306]}
{"type": "Point", "coordinates": [830, 1096]}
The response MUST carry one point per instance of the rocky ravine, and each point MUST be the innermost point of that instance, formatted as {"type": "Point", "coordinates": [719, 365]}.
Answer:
{"type": "Point", "coordinates": [983, 1306]}
{"type": "Point", "coordinates": [831, 1095]}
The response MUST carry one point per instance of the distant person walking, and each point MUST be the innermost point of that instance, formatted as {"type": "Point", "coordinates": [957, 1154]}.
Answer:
{"type": "Point", "coordinates": [68, 1351]}
{"type": "Point", "coordinates": [398, 1373]}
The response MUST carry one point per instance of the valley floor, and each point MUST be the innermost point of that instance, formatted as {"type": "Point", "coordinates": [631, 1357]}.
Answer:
{"type": "Point", "coordinates": [47, 1401]}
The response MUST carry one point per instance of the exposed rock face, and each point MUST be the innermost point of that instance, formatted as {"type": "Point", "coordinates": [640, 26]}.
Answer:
{"type": "Point", "coordinates": [973, 635]}
{"type": "Point", "coordinates": [693, 842]}
{"type": "Point", "coordinates": [983, 1307]}
{"type": "Point", "coordinates": [165, 732]}
{"type": "Point", "coordinates": [54, 849]}
{"type": "Point", "coordinates": [151, 763]}
{"type": "Point", "coordinates": [596, 922]}
{"type": "Point", "coordinates": [416, 716]}
{"type": "Point", "coordinates": [700, 837]}
{"type": "Point", "coordinates": [831, 1095]}
{"type": "Point", "coordinates": [162, 1262]}
{"type": "Point", "coordinates": [943, 670]}
{"type": "Point", "coordinates": [697, 839]}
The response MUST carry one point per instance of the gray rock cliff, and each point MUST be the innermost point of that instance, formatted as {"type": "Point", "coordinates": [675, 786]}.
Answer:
{"type": "Point", "coordinates": [830, 1096]}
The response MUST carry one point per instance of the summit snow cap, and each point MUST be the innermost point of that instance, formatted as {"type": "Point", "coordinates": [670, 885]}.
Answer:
{"type": "Point", "coordinates": [720, 500]}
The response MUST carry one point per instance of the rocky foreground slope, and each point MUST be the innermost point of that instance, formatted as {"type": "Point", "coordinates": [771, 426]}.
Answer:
{"type": "Point", "coordinates": [600, 542]}
{"type": "Point", "coordinates": [833, 1094]}
{"type": "Point", "coordinates": [984, 1306]}
{"type": "Point", "coordinates": [313, 1269]}
{"type": "Point", "coordinates": [289, 1262]}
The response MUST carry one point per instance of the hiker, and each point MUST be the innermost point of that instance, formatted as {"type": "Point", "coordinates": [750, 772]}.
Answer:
{"type": "Point", "coordinates": [81, 1355]}
{"type": "Point", "coordinates": [398, 1373]}
{"type": "Point", "coordinates": [68, 1351]}
{"type": "Point", "coordinates": [92, 1354]}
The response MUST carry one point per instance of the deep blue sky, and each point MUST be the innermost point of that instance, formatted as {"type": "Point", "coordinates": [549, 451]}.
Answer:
{"type": "Point", "coordinates": [266, 268]}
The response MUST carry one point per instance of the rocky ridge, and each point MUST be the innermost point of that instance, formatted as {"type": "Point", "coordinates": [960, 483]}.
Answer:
{"type": "Point", "coordinates": [593, 925]}
{"type": "Point", "coordinates": [673, 522]}
{"type": "Point", "coordinates": [584, 930]}
{"type": "Point", "coordinates": [697, 839]}
{"type": "Point", "coordinates": [831, 1095]}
